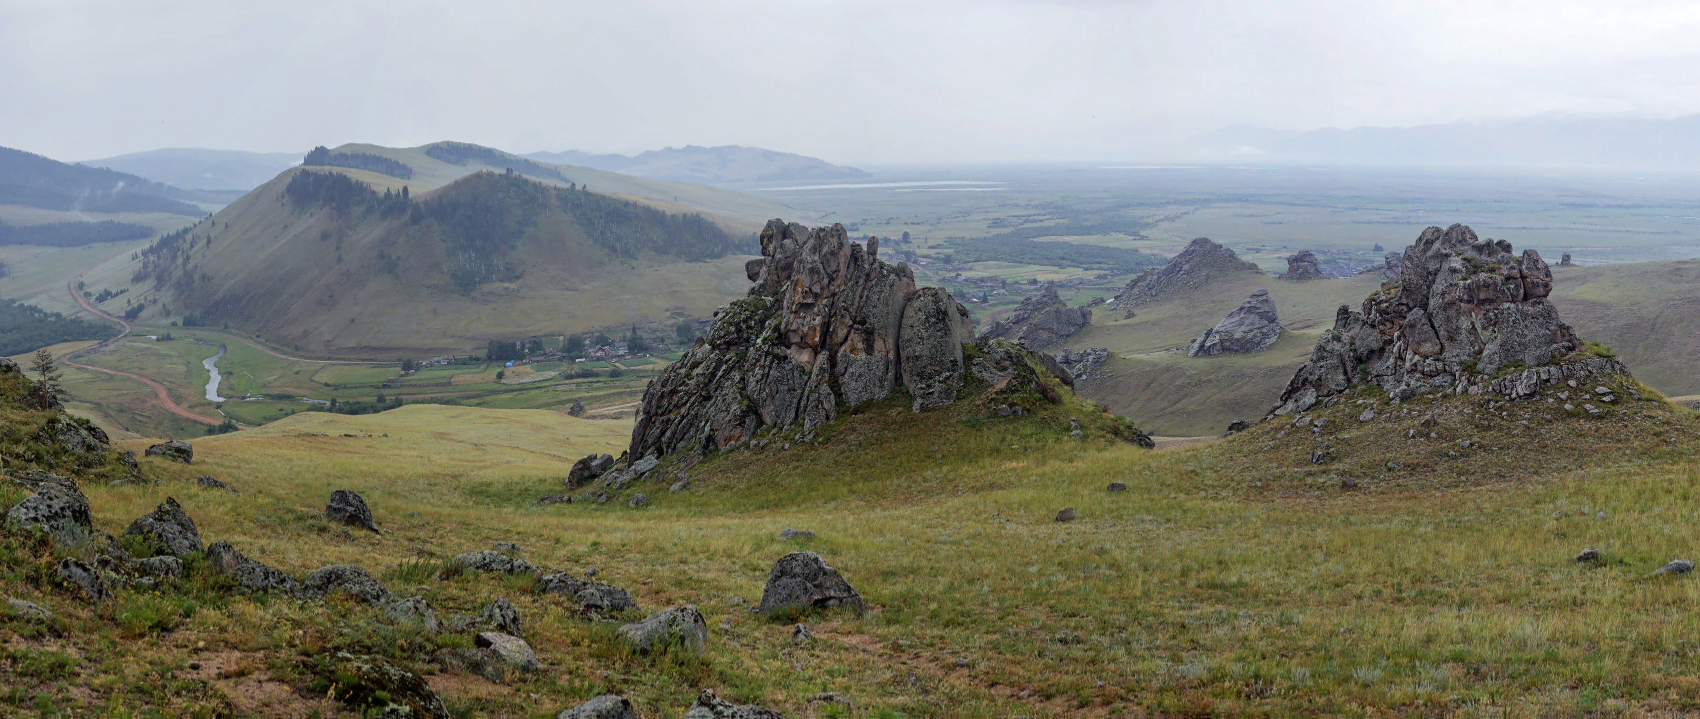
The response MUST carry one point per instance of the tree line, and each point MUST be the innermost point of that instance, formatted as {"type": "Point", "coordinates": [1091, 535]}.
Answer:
{"type": "Point", "coordinates": [72, 234]}
{"type": "Point", "coordinates": [27, 327]}
{"type": "Point", "coordinates": [323, 157]}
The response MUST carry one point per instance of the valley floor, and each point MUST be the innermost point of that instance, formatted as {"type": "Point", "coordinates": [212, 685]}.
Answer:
{"type": "Point", "coordinates": [1192, 592]}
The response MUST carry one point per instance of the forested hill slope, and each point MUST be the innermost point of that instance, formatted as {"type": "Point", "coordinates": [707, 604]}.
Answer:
{"type": "Point", "coordinates": [322, 260]}
{"type": "Point", "coordinates": [31, 180]}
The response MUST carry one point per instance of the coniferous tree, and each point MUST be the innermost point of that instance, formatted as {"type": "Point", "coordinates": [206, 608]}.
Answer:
{"type": "Point", "coordinates": [47, 390]}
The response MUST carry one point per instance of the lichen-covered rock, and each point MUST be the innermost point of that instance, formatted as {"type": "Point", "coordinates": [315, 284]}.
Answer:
{"type": "Point", "coordinates": [380, 688]}
{"type": "Point", "coordinates": [681, 627]}
{"type": "Point", "coordinates": [209, 482]}
{"type": "Point", "coordinates": [413, 610]}
{"type": "Point", "coordinates": [803, 581]}
{"type": "Point", "coordinates": [590, 596]}
{"type": "Point", "coordinates": [250, 574]}
{"type": "Point", "coordinates": [710, 706]}
{"type": "Point", "coordinates": [588, 469]}
{"type": "Point", "coordinates": [1303, 266]}
{"type": "Point", "coordinates": [57, 508]}
{"type": "Point", "coordinates": [161, 567]}
{"type": "Point", "coordinates": [349, 508]}
{"type": "Point", "coordinates": [511, 651]}
{"type": "Point", "coordinates": [84, 578]}
{"type": "Point", "coordinates": [345, 579]}
{"type": "Point", "coordinates": [1083, 364]}
{"type": "Point", "coordinates": [1462, 309]}
{"type": "Point", "coordinates": [493, 561]}
{"type": "Point", "coordinates": [1251, 327]}
{"type": "Point", "coordinates": [1197, 266]}
{"type": "Point", "coordinates": [170, 527]}
{"type": "Point", "coordinates": [607, 706]}
{"type": "Point", "coordinates": [931, 344]}
{"type": "Point", "coordinates": [1390, 266]}
{"type": "Point", "coordinates": [1040, 321]}
{"type": "Point", "coordinates": [499, 616]}
{"type": "Point", "coordinates": [176, 450]}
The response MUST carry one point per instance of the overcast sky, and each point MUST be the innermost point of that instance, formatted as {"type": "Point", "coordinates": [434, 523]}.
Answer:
{"type": "Point", "coordinates": [867, 81]}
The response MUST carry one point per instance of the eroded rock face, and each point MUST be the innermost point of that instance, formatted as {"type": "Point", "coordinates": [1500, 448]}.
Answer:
{"type": "Point", "coordinates": [1390, 266]}
{"type": "Point", "coordinates": [1251, 327]}
{"type": "Point", "coordinates": [170, 526]}
{"type": "Point", "coordinates": [1304, 266]}
{"type": "Point", "coordinates": [1198, 265]}
{"type": "Point", "coordinates": [823, 329]}
{"type": "Point", "coordinates": [1040, 321]}
{"type": "Point", "coordinates": [1462, 309]}
{"type": "Point", "coordinates": [803, 581]}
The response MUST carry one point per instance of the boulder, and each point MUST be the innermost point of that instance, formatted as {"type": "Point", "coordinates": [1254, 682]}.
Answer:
{"type": "Point", "coordinates": [1251, 327]}
{"type": "Point", "coordinates": [176, 450]}
{"type": "Point", "coordinates": [382, 689]}
{"type": "Point", "coordinates": [250, 574]}
{"type": "Point", "coordinates": [1304, 266]}
{"type": "Point", "coordinates": [84, 578]}
{"type": "Point", "coordinates": [931, 346]}
{"type": "Point", "coordinates": [710, 706]}
{"type": "Point", "coordinates": [1066, 515]}
{"type": "Point", "coordinates": [58, 509]}
{"type": "Point", "coordinates": [577, 409]}
{"type": "Point", "coordinates": [492, 561]}
{"type": "Point", "coordinates": [413, 610]}
{"type": "Point", "coordinates": [349, 508]}
{"type": "Point", "coordinates": [28, 611]}
{"type": "Point", "coordinates": [1564, 260]}
{"type": "Point", "coordinates": [209, 482]}
{"type": "Point", "coordinates": [1040, 321]}
{"type": "Point", "coordinates": [160, 567]}
{"type": "Point", "coordinates": [588, 469]}
{"type": "Point", "coordinates": [513, 653]}
{"type": "Point", "coordinates": [1676, 566]}
{"type": "Point", "coordinates": [499, 616]}
{"type": "Point", "coordinates": [170, 527]}
{"type": "Point", "coordinates": [346, 579]}
{"type": "Point", "coordinates": [590, 596]}
{"type": "Point", "coordinates": [1200, 264]}
{"type": "Point", "coordinates": [787, 534]}
{"type": "Point", "coordinates": [803, 581]}
{"type": "Point", "coordinates": [607, 706]}
{"type": "Point", "coordinates": [681, 627]}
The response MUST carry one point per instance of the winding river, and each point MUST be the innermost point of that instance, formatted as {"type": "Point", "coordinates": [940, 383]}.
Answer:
{"type": "Point", "coordinates": [212, 382]}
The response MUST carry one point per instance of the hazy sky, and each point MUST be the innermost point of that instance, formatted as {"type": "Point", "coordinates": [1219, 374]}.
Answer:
{"type": "Point", "coordinates": [868, 81]}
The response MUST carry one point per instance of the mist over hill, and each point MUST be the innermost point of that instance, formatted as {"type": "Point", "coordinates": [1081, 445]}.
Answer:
{"type": "Point", "coordinates": [32, 180]}
{"type": "Point", "coordinates": [1544, 141]}
{"type": "Point", "coordinates": [200, 168]}
{"type": "Point", "coordinates": [725, 164]}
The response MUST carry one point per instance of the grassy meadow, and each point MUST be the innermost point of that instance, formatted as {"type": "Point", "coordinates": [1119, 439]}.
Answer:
{"type": "Point", "coordinates": [1193, 592]}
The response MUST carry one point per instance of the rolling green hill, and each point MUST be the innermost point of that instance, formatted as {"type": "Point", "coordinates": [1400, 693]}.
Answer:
{"type": "Point", "coordinates": [334, 261]}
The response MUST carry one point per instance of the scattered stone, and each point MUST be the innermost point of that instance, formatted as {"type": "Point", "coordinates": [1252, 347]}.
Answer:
{"type": "Point", "coordinates": [590, 571]}
{"type": "Point", "coordinates": [638, 501]}
{"type": "Point", "coordinates": [207, 481]}
{"type": "Point", "coordinates": [477, 662]}
{"type": "Point", "coordinates": [555, 499]}
{"type": "Point", "coordinates": [961, 663]}
{"type": "Point", "coordinates": [682, 627]}
{"type": "Point", "coordinates": [800, 634]}
{"type": "Point", "coordinates": [1118, 487]}
{"type": "Point", "coordinates": [1589, 555]}
{"type": "Point", "coordinates": [709, 706]}
{"type": "Point", "coordinates": [249, 574]}
{"type": "Point", "coordinates": [386, 689]}
{"type": "Point", "coordinates": [1318, 456]}
{"type": "Point", "coordinates": [833, 698]}
{"type": "Point", "coordinates": [1348, 483]}
{"type": "Point", "coordinates": [1368, 415]}
{"type": "Point", "coordinates": [1676, 566]}
{"type": "Point", "coordinates": [506, 547]}
{"type": "Point", "coordinates": [27, 610]}
{"type": "Point", "coordinates": [802, 580]}
{"type": "Point", "coordinates": [1304, 266]}
{"type": "Point", "coordinates": [588, 469]}
{"type": "Point", "coordinates": [1236, 427]}
{"type": "Point", "coordinates": [413, 610]}
{"type": "Point", "coordinates": [176, 450]}
{"type": "Point", "coordinates": [510, 650]}
{"type": "Point", "coordinates": [1074, 428]}
{"type": "Point", "coordinates": [577, 409]}
{"type": "Point", "coordinates": [590, 596]}
{"type": "Point", "coordinates": [492, 561]}
{"type": "Point", "coordinates": [57, 508]}
{"type": "Point", "coordinates": [161, 567]}
{"type": "Point", "coordinates": [499, 616]}
{"type": "Point", "coordinates": [347, 579]}
{"type": "Point", "coordinates": [607, 706]}
{"type": "Point", "coordinates": [349, 508]}
{"type": "Point", "coordinates": [1251, 327]}
{"type": "Point", "coordinates": [680, 485]}
{"type": "Point", "coordinates": [170, 527]}
{"type": "Point", "coordinates": [787, 534]}
{"type": "Point", "coordinates": [84, 578]}
{"type": "Point", "coordinates": [1066, 515]}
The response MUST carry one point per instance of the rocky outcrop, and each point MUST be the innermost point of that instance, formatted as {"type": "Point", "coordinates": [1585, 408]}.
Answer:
{"type": "Point", "coordinates": [1040, 321]}
{"type": "Point", "coordinates": [380, 688]}
{"type": "Point", "coordinates": [590, 596]}
{"type": "Point", "coordinates": [84, 578]}
{"type": "Point", "coordinates": [249, 574]}
{"type": "Point", "coordinates": [802, 581]}
{"type": "Point", "coordinates": [681, 627]}
{"type": "Point", "coordinates": [1565, 260]}
{"type": "Point", "coordinates": [1390, 267]}
{"type": "Point", "coordinates": [1304, 266]}
{"type": "Point", "coordinates": [492, 561]}
{"type": "Point", "coordinates": [1201, 263]}
{"type": "Point", "coordinates": [345, 579]}
{"type": "Point", "coordinates": [1463, 309]}
{"type": "Point", "coordinates": [827, 326]}
{"type": "Point", "coordinates": [1251, 327]}
{"type": "Point", "coordinates": [176, 450]}
{"type": "Point", "coordinates": [1084, 364]}
{"type": "Point", "coordinates": [170, 527]}
{"type": "Point", "coordinates": [349, 508]}
{"type": "Point", "coordinates": [57, 508]}
{"type": "Point", "coordinates": [588, 469]}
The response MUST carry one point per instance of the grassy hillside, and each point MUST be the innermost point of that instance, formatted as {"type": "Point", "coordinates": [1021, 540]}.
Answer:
{"type": "Point", "coordinates": [489, 257]}
{"type": "Point", "coordinates": [1649, 312]}
{"type": "Point", "coordinates": [1193, 592]}
{"type": "Point", "coordinates": [199, 168]}
{"type": "Point", "coordinates": [31, 180]}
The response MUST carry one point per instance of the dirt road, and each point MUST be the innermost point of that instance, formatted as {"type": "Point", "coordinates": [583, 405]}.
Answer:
{"type": "Point", "coordinates": [161, 396]}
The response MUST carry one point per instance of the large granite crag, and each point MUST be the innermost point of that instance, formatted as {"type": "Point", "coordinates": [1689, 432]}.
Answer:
{"type": "Point", "coordinates": [1304, 266]}
{"type": "Point", "coordinates": [827, 326]}
{"type": "Point", "coordinates": [1040, 321]}
{"type": "Point", "coordinates": [1462, 310]}
{"type": "Point", "coordinates": [1195, 267]}
{"type": "Point", "coordinates": [1251, 327]}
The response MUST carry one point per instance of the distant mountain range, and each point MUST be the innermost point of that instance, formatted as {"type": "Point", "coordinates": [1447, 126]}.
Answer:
{"type": "Point", "coordinates": [1542, 141]}
{"type": "Point", "coordinates": [203, 169]}
{"type": "Point", "coordinates": [31, 180]}
{"type": "Point", "coordinates": [727, 164]}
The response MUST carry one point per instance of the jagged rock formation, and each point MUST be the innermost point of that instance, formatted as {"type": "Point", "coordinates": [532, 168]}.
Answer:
{"type": "Point", "coordinates": [1195, 267]}
{"type": "Point", "coordinates": [1040, 321]}
{"type": "Point", "coordinates": [1565, 260]}
{"type": "Point", "coordinates": [1303, 266]}
{"type": "Point", "coordinates": [1251, 327]}
{"type": "Point", "coordinates": [1084, 364]}
{"type": "Point", "coordinates": [1462, 310]}
{"type": "Point", "coordinates": [826, 326]}
{"type": "Point", "coordinates": [1388, 268]}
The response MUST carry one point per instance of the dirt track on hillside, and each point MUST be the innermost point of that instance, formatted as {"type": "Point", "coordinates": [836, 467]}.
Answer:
{"type": "Point", "coordinates": [162, 397]}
